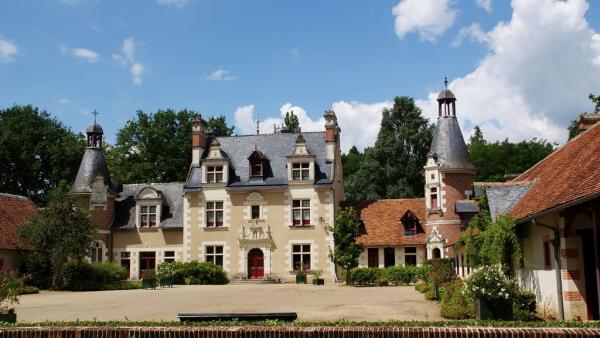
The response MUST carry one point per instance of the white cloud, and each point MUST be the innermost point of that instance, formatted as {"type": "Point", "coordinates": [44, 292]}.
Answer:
{"type": "Point", "coordinates": [63, 100]}
{"type": "Point", "coordinates": [136, 69]}
{"type": "Point", "coordinates": [295, 51]}
{"type": "Point", "coordinates": [7, 51]}
{"type": "Point", "coordinates": [351, 117]}
{"type": "Point", "coordinates": [474, 32]}
{"type": "Point", "coordinates": [84, 54]}
{"type": "Point", "coordinates": [485, 4]}
{"type": "Point", "coordinates": [429, 18]}
{"type": "Point", "coordinates": [540, 68]}
{"type": "Point", "coordinates": [174, 3]}
{"type": "Point", "coordinates": [220, 75]}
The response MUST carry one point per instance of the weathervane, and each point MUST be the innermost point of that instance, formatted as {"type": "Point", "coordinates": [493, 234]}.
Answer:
{"type": "Point", "coordinates": [95, 113]}
{"type": "Point", "coordinates": [446, 82]}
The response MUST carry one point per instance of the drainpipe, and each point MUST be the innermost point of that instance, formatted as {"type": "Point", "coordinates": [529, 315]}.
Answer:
{"type": "Point", "coordinates": [559, 286]}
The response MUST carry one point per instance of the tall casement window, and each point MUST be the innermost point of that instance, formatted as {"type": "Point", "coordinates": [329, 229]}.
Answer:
{"type": "Point", "coordinates": [373, 257]}
{"type": "Point", "coordinates": [547, 259]}
{"type": "Point", "coordinates": [256, 161]}
{"type": "Point", "coordinates": [147, 261]}
{"type": "Point", "coordinates": [126, 262]}
{"type": "Point", "coordinates": [301, 257]}
{"type": "Point", "coordinates": [300, 171]}
{"type": "Point", "coordinates": [97, 253]}
{"type": "Point", "coordinates": [255, 211]}
{"type": "Point", "coordinates": [301, 212]}
{"type": "Point", "coordinates": [410, 255]}
{"type": "Point", "coordinates": [169, 256]}
{"type": "Point", "coordinates": [147, 216]}
{"type": "Point", "coordinates": [433, 198]}
{"type": "Point", "coordinates": [214, 254]}
{"type": "Point", "coordinates": [214, 173]}
{"type": "Point", "coordinates": [214, 214]}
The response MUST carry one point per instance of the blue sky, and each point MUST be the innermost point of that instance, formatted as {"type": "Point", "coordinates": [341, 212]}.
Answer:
{"type": "Point", "coordinates": [246, 58]}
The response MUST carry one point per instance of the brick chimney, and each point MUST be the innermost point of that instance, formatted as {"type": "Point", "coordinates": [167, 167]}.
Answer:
{"type": "Point", "coordinates": [332, 133]}
{"type": "Point", "coordinates": [586, 121]}
{"type": "Point", "coordinates": [199, 131]}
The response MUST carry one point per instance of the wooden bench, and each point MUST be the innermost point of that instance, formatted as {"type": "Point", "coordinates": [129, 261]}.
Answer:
{"type": "Point", "coordinates": [205, 317]}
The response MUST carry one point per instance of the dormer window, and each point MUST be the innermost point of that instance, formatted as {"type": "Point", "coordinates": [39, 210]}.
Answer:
{"type": "Point", "coordinates": [300, 171]}
{"type": "Point", "coordinates": [214, 174]}
{"type": "Point", "coordinates": [411, 224]}
{"type": "Point", "coordinates": [148, 216]}
{"type": "Point", "coordinates": [256, 164]}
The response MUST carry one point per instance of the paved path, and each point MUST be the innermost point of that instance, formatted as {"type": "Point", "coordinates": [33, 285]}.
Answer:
{"type": "Point", "coordinates": [311, 302]}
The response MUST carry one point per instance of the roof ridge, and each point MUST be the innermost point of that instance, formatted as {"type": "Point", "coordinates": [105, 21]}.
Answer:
{"type": "Point", "coordinates": [269, 134]}
{"type": "Point", "coordinates": [557, 150]}
{"type": "Point", "coordinates": [153, 183]}
{"type": "Point", "coordinates": [5, 194]}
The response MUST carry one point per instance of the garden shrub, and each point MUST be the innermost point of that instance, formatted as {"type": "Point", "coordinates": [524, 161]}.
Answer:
{"type": "Point", "coordinates": [422, 287]}
{"type": "Point", "coordinates": [191, 273]}
{"type": "Point", "coordinates": [405, 274]}
{"type": "Point", "coordinates": [363, 276]}
{"type": "Point", "coordinates": [85, 276]}
{"type": "Point", "coordinates": [11, 287]}
{"type": "Point", "coordinates": [440, 271]}
{"type": "Point", "coordinates": [39, 270]}
{"type": "Point", "coordinates": [456, 303]}
{"type": "Point", "coordinates": [524, 306]}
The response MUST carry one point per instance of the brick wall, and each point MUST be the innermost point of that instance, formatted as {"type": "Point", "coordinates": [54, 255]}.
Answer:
{"type": "Point", "coordinates": [293, 332]}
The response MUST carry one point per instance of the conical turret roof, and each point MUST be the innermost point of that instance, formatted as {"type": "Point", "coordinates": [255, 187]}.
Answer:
{"type": "Point", "coordinates": [93, 164]}
{"type": "Point", "coordinates": [449, 146]}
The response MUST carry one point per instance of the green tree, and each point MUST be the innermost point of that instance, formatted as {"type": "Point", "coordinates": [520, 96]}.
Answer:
{"type": "Point", "coordinates": [291, 122]}
{"type": "Point", "coordinates": [60, 232]}
{"type": "Point", "coordinates": [346, 231]}
{"type": "Point", "coordinates": [351, 161]}
{"type": "Point", "coordinates": [38, 153]}
{"type": "Point", "coordinates": [218, 126]}
{"type": "Point", "coordinates": [496, 160]}
{"type": "Point", "coordinates": [153, 147]}
{"type": "Point", "coordinates": [596, 100]}
{"type": "Point", "coordinates": [392, 168]}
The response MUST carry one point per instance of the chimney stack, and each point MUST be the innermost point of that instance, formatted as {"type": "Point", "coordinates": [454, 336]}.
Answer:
{"type": "Point", "coordinates": [332, 132]}
{"type": "Point", "coordinates": [586, 121]}
{"type": "Point", "coordinates": [199, 131]}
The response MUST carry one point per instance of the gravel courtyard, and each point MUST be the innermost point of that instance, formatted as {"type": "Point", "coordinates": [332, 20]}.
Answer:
{"type": "Point", "coordinates": [328, 302]}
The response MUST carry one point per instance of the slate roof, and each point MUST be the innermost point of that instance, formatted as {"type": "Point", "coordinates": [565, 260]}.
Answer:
{"type": "Point", "coordinates": [172, 212]}
{"type": "Point", "coordinates": [467, 206]}
{"type": "Point", "coordinates": [570, 173]}
{"type": "Point", "coordinates": [382, 221]}
{"type": "Point", "coordinates": [503, 196]}
{"type": "Point", "coordinates": [275, 147]}
{"type": "Point", "coordinates": [449, 145]}
{"type": "Point", "coordinates": [15, 211]}
{"type": "Point", "coordinates": [92, 165]}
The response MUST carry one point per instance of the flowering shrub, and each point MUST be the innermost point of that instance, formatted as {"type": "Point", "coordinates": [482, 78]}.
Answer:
{"type": "Point", "coordinates": [11, 286]}
{"type": "Point", "coordinates": [490, 284]}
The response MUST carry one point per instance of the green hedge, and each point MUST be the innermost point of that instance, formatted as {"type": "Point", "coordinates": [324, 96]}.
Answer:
{"type": "Point", "coordinates": [395, 275]}
{"type": "Point", "coordinates": [190, 273]}
{"type": "Point", "coordinates": [85, 276]}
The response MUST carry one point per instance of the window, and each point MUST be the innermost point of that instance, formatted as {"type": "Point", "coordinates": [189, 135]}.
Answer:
{"type": "Point", "coordinates": [126, 262]}
{"type": "Point", "coordinates": [214, 254]}
{"type": "Point", "coordinates": [433, 176]}
{"type": "Point", "coordinates": [301, 212]}
{"type": "Point", "coordinates": [148, 216]}
{"type": "Point", "coordinates": [169, 256]}
{"type": "Point", "coordinates": [411, 224]}
{"type": "Point", "coordinates": [97, 254]}
{"type": "Point", "coordinates": [301, 257]}
{"type": "Point", "coordinates": [214, 174]}
{"type": "Point", "coordinates": [389, 257]}
{"type": "Point", "coordinates": [300, 171]}
{"type": "Point", "coordinates": [147, 261]}
{"type": "Point", "coordinates": [433, 198]}
{"type": "Point", "coordinates": [547, 260]}
{"type": "Point", "coordinates": [256, 166]}
{"type": "Point", "coordinates": [373, 254]}
{"type": "Point", "coordinates": [214, 214]}
{"type": "Point", "coordinates": [410, 255]}
{"type": "Point", "coordinates": [255, 212]}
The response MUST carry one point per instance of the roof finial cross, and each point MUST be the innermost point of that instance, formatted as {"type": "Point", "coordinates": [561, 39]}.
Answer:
{"type": "Point", "coordinates": [446, 82]}
{"type": "Point", "coordinates": [95, 113]}
{"type": "Point", "coordinates": [258, 124]}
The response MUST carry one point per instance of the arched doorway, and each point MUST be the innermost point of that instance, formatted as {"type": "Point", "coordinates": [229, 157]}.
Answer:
{"type": "Point", "coordinates": [436, 253]}
{"type": "Point", "coordinates": [256, 264]}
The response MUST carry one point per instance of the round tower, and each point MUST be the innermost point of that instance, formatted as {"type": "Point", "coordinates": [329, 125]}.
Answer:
{"type": "Point", "coordinates": [449, 176]}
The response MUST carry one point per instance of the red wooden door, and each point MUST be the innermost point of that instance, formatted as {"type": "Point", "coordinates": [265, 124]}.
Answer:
{"type": "Point", "coordinates": [256, 264]}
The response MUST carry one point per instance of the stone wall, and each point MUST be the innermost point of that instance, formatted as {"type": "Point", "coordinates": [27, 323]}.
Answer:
{"type": "Point", "coordinates": [293, 332]}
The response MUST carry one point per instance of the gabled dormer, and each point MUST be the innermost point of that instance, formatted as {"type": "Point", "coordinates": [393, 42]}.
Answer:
{"type": "Point", "coordinates": [257, 163]}
{"type": "Point", "coordinates": [149, 205]}
{"type": "Point", "coordinates": [301, 163]}
{"type": "Point", "coordinates": [216, 165]}
{"type": "Point", "coordinates": [411, 223]}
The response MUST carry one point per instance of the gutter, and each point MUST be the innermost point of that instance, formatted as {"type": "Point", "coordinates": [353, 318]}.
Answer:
{"type": "Point", "coordinates": [559, 286]}
{"type": "Point", "coordinates": [560, 207]}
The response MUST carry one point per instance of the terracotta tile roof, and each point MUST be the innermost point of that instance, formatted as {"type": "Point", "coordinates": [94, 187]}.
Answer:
{"type": "Point", "coordinates": [14, 212]}
{"type": "Point", "coordinates": [570, 173]}
{"type": "Point", "coordinates": [382, 221]}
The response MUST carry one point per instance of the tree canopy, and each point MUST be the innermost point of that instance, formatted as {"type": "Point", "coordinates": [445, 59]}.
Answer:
{"type": "Point", "coordinates": [346, 231]}
{"type": "Point", "coordinates": [38, 153]}
{"type": "Point", "coordinates": [157, 147]}
{"type": "Point", "coordinates": [60, 232]}
{"type": "Point", "coordinates": [496, 160]}
{"type": "Point", "coordinates": [392, 167]}
{"type": "Point", "coordinates": [291, 122]}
